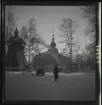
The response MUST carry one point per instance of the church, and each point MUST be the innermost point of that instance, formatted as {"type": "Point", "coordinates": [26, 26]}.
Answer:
{"type": "Point", "coordinates": [15, 57]}
{"type": "Point", "coordinates": [47, 60]}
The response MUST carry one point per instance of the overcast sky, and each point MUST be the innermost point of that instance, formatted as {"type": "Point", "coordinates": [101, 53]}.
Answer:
{"type": "Point", "coordinates": [49, 18]}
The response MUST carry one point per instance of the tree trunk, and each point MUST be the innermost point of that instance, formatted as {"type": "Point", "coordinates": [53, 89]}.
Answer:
{"type": "Point", "coordinates": [71, 52]}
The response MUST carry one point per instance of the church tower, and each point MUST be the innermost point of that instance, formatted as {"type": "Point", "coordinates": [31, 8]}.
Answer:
{"type": "Point", "coordinates": [53, 44]}
{"type": "Point", "coordinates": [15, 58]}
{"type": "Point", "coordinates": [16, 32]}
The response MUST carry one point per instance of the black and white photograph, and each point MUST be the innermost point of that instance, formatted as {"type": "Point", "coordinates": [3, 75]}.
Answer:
{"type": "Point", "coordinates": [50, 52]}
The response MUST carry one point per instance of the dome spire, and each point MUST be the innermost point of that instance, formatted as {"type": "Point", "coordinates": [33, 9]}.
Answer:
{"type": "Point", "coordinates": [53, 44]}
{"type": "Point", "coordinates": [16, 31]}
{"type": "Point", "coordinates": [53, 35]}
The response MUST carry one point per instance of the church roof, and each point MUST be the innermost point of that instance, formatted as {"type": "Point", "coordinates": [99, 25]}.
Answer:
{"type": "Point", "coordinates": [47, 58]}
{"type": "Point", "coordinates": [43, 59]}
{"type": "Point", "coordinates": [15, 38]}
{"type": "Point", "coordinates": [53, 44]}
{"type": "Point", "coordinates": [64, 60]}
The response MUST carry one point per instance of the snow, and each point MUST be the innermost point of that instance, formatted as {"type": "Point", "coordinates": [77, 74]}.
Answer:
{"type": "Point", "coordinates": [75, 86]}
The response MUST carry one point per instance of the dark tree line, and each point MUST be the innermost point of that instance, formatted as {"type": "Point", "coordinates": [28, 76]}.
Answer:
{"type": "Point", "coordinates": [89, 13]}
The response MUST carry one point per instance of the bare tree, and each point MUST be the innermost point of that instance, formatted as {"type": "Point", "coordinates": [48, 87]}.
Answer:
{"type": "Point", "coordinates": [80, 61]}
{"type": "Point", "coordinates": [90, 49]}
{"type": "Point", "coordinates": [89, 56]}
{"type": "Point", "coordinates": [68, 28]}
{"type": "Point", "coordinates": [89, 13]}
{"type": "Point", "coordinates": [30, 36]}
{"type": "Point", "coordinates": [10, 23]}
{"type": "Point", "coordinates": [24, 32]}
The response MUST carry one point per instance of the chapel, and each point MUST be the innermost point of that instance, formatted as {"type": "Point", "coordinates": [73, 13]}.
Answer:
{"type": "Point", "coordinates": [15, 57]}
{"type": "Point", "coordinates": [47, 60]}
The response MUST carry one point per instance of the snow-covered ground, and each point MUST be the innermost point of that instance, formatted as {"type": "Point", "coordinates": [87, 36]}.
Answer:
{"type": "Point", "coordinates": [25, 86]}
{"type": "Point", "coordinates": [46, 73]}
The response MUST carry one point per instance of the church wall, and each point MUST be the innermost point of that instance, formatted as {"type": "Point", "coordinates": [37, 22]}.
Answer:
{"type": "Point", "coordinates": [15, 58]}
{"type": "Point", "coordinates": [21, 59]}
{"type": "Point", "coordinates": [11, 59]}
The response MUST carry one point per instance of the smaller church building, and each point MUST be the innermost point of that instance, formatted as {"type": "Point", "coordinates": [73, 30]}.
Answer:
{"type": "Point", "coordinates": [15, 57]}
{"type": "Point", "coordinates": [47, 60]}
